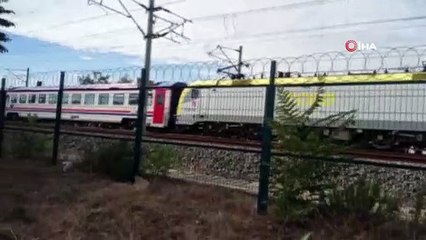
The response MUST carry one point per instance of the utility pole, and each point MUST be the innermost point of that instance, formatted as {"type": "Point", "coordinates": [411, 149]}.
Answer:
{"type": "Point", "coordinates": [225, 57]}
{"type": "Point", "coordinates": [169, 32]}
{"type": "Point", "coordinates": [27, 79]}
{"type": "Point", "coordinates": [240, 60]}
{"type": "Point", "coordinates": [148, 50]}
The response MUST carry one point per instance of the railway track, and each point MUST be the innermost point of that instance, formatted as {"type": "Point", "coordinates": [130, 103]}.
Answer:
{"type": "Point", "coordinates": [213, 142]}
{"type": "Point", "coordinates": [389, 156]}
{"type": "Point", "coordinates": [155, 137]}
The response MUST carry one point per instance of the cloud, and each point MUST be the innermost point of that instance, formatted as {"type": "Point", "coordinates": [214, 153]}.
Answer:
{"type": "Point", "coordinates": [288, 28]}
{"type": "Point", "coordinates": [86, 58]}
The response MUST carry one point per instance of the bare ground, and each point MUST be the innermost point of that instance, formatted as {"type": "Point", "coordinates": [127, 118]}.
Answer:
{"type": "Point", "coordinates": [40, 202]}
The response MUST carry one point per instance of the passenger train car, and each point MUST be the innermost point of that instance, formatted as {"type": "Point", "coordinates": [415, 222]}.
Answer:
{"type": "Point", "coordinates": [97, 104]}
{"type": "Point", "coordinates": [390, 107]}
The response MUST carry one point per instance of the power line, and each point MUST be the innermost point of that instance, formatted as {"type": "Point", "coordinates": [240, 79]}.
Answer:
{"type": "Point", "coordinates": [258, 36]}
{"type": "Point", "coordinates": [81, 20]}
{"type": "Point", "coordinates": [149, 35]}
{"type": "Point", "coordinates": [267, 38]}
{"type": "Point", "coordinates": [197, 18]}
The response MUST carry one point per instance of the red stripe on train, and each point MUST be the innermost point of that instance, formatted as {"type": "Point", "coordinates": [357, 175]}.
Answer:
{"type": "Point", "coordinates": [71, 109]}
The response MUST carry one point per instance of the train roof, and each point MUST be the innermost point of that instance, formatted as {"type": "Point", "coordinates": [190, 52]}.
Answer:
{"type": "Point", "coordinates": [332, 79]}
{"type": "Point", "coordinates": [109, 86]}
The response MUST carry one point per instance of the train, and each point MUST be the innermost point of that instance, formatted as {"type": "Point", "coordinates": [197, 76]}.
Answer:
{"type": "Point", "coordinates": [390, 107]}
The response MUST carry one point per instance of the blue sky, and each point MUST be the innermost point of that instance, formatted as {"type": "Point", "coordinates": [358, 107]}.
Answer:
{"type": "Point", "coordinates": [44, 56]}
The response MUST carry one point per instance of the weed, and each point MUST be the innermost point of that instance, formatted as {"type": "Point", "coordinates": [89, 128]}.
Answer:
{"type": "Point", "coordinates": [25, 145]}
{"type": "Point", "coordinates": [159, 160]}
{"type": "Point", "coordinates": [114, 160]}
{"type": "Point", "coordinates": [305, 188]}
{"type": "Point", "coordinates": [362, 199]}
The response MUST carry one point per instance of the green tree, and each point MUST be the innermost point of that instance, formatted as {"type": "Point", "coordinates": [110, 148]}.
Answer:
{"type": "Point", "coordinates": [97, 78]}
{"type": "Point", "coordinates": [4, 23]}
{"type": "Point", "coordinates": [295, 179]}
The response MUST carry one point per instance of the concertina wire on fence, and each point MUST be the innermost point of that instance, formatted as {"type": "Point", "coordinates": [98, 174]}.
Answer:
{"type": "Point", "coordinates": [400, 59]}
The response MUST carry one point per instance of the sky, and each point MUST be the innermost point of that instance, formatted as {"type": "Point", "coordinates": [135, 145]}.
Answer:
{"type": "Point", "coordinates": [55, 35]}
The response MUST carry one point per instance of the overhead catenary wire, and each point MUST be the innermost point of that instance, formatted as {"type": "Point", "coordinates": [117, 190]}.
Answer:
{"type": "Point", "coordinates": [292, 32]}
{"type": "Point", "coordinates": [265, 39]}
{"type": "Point", "coordinates": [282, 7]}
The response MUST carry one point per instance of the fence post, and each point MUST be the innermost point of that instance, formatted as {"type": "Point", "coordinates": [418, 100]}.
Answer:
{"type": "Point", "coordinates": [262, 199]}
{"type": "Point", "coordinates": [2, 112]}
{"type": "Point", "coordinates": [137, 154]}
{"type": "Point", "coordinates": [58, 119]}
{"type": "Point", "coordinates": [27, 79]}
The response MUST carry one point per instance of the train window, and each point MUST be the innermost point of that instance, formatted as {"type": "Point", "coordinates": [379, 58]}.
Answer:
{"type": "Point", "coordinates": [195, 93]}
{"type": "Point", "coordinates": [14, 99]}
{"type": "Point", "coordinates": [160, 99]}
{"type": "Point", "coordinates": [149, 99]}
{"type": "Point", "coordinates": [76, 99]}
{"type": "Point", "coordinates": [42, 98]}
{"type": "Point", "coordinates": [66, 99]}
{"type": "Point", "coordinates": [32, 98]}
{"type": "Point", "coordinates": [103, 99]}
{"type": "Point", "coordinates": [22, 99]}
{"type": "Point", "coordinates": [89, 99]}
{"type": "Point", "coordinates": [118, 99]}
{"type": "Point", "coordinates": [133, 99]}
{"type": "Point", "coordinates": [52, 99]}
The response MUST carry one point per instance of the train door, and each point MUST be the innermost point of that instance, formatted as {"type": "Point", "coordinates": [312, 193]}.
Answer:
{"type": "Point", "coordinates": [7, 101]}
{"type": "Point", "coordinates": [196, 105]}
{"type": "Point", "coordinates": [159, 107]}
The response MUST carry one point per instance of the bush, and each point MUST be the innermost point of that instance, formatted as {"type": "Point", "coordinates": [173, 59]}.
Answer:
{"type": "Point", "coordinates": [26, 145]}
{"type": "Point", "coordinates": [30, 145]}
{"type": "Point", "coordinates": [304, 187]}
{"type": "Point", "coordinates": [114, 160]}
{"type": "Point", "coordinates": [159, 160]}
{"type": "Point", "coordinates": [362, 199]}
{"type": "Point", "coordinates": [296, 179]}
{"type": "Point", "coordinates": [299, 185]}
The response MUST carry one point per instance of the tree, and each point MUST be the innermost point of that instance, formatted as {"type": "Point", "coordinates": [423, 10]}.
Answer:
{"type": "Point", "coordinates": [4, 23]}
{"type": "Point", "coordinates": [299, 133]}
{"type": "Point", "coordinates": [125, 79]}
{"type": "Point", "coordinates": [97, 78]}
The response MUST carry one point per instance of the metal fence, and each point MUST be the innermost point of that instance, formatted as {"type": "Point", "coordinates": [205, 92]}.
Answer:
{"type": "Point", "coordinates": [398, 59]}
{"type": "Point", "coordinates": [383, 102]}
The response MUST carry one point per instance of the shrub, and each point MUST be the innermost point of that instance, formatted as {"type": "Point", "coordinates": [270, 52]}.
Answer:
{"type": "Point", "coordinates": [159, 160]}
{"type": "Point", "coordinates": [297, 179]}
{"type": "Point", "coordinates": [29, 145]}
{"type": "Point", "coordinates": [114, 160]}
{"type": "Point", "coordinates": [304, 187]}
{"type": "Point", "coordinates": [299, 185]}
{"type": "Point", "coordinates": [362, 199]}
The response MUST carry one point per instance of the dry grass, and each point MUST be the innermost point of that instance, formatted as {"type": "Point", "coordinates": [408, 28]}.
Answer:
{"type": "Point", "coordinates": [39, 202]}
{"type": "Point", "coordinates": [42, 203]}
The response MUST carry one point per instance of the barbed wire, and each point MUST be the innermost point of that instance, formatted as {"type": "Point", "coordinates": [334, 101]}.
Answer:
{"type": "Point", "coordinates": [398, 59]}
